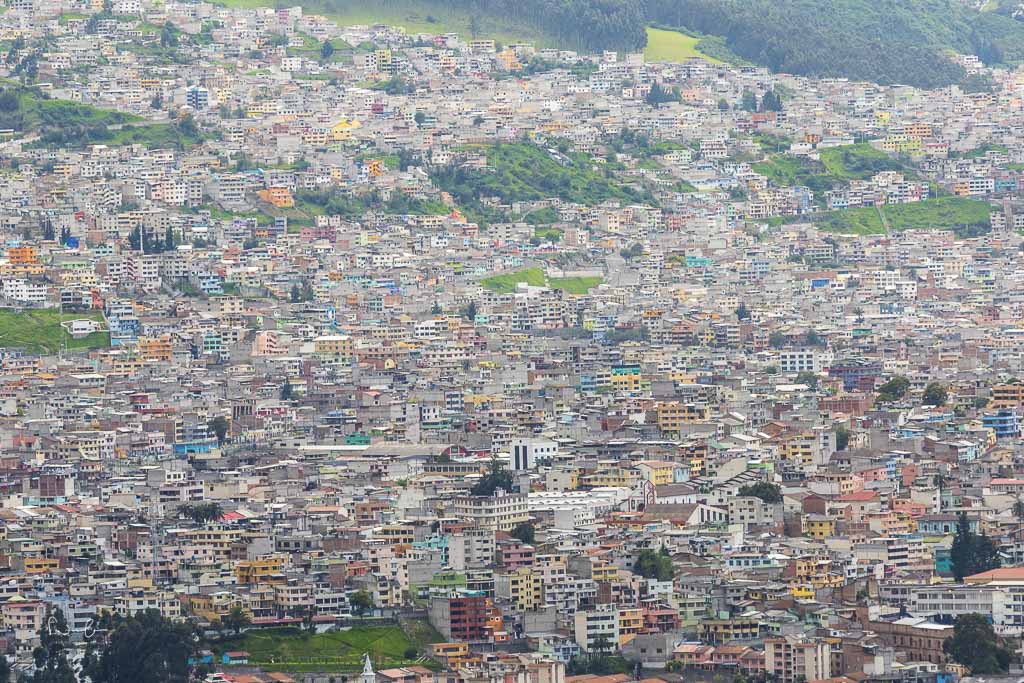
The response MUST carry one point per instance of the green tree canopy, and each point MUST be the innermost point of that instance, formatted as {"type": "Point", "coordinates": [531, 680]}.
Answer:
{"type": "Point", "coordinates": [975, 645]}
{"type": "Point", "coordinates": [50, 658]}
{"type": "Point", "coordinates": [971, 553]}
{"type": "Point", "coordinates": [766, 491]}
{"type": "Point", "coordinates": [145, 648]}
{"type": "Point", "coordinates": [935, 394]}
{"type": "Point", "coordinates": [525, 532]}
{"type": "Point", "coordinates": [654, 565]}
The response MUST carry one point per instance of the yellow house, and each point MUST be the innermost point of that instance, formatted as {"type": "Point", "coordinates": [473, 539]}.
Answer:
{"type": "Point", "coordinates": [802, 591]}
{"type": "Point", "coordinates": [525, 588]}
{"type": "Point", "coordinates": [343, 129]}
{"type": "Point", "coordinates": [658, 472]}
{"type": "Point", "coordinates": [627, 382]}
{"type": "Point", "coordinates": [672, 415]}
{"type": "Point", "coordinates": [612, 476]}
{"type": "Point", "coordinates": [819, 527]}
{"type": "Point", "coordinates": [259, 571]}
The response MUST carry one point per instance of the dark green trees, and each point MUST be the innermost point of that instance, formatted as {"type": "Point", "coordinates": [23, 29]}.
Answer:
{"type": "Point", "coordinates": [972, 553]}
{"type": "Point", "coordinates": [975, 645]}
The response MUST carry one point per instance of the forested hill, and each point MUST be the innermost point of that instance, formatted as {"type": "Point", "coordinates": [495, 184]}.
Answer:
{"type": "Point", "coordinates": [887, 41]}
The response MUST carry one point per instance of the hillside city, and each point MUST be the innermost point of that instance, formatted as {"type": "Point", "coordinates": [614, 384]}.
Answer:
{"type": "Point", "coordinates": [354, 353]}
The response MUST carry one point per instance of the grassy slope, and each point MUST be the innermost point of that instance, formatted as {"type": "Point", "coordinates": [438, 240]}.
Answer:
{"type": "Point", "coordinates": [292, 650]}
{"type": "Point", "coordinates": [837, 165]}
{"type": "Point", "coordinates": [66, 123]}
{"type": "Point", "coordinates": [672, 46]}
{"type": "Point", "coordinates": [526, 172]}
{"type": "Point", "coordinates": [965, 216]}
{"type": "Point", "coordinates": [414, 16]}
{"type": "Point", "coordinates": [536, 277]}
{"type": "Point", "coordinates": [39, 331]}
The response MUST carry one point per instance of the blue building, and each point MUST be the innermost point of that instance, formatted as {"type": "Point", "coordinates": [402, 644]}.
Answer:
{"type": "Point", "coordinates": [1005, 423]}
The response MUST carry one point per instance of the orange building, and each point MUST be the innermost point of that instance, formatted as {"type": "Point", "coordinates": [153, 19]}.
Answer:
{"type": "Point", "coordinates": [278, 196]}
{"type": "Point", "coordinates": [23, 256]}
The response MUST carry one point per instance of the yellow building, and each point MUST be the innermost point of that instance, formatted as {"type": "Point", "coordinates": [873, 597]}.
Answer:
{"type": "Point", "coordinates": [1007, 395]}
{"type": "Point", "coordinates": [657, 472]}
{"type": "Point", "coordinates": [214, 605]}
{"type": "Point", "coordinates": [672, 415]}
{"type": "Point", "coordinates": [343, 129]}
{"type": "Point", "coordinates": [155, 349]}
{"type": "Point", "coordinates": [525, 589]}
{"type": "Point", "coordinates": [612, 476]}
{"type": "Point", "coordinates": [41, 565]}
{"type": "Point", "coordinates": [337, 347]}
{"type": "Point", "coordinates": [264, 570]}
{"type": "Point", "coordinates": [819, 527]}
{"type": "Point", "coordinates": [631, 622]}
{"type": "Point", "coordinates": [627, 382]}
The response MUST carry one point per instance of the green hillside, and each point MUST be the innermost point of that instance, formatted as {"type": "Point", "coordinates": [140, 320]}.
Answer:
{"type": "Point", "coordinates": [62, 123]}
{"type": "Point", "coordinates": [837, 166]}
{"type": "Point", "coordinates": [39, 330]}
{"type": "Point", "coordinates": [888, 41]}
{"type": "Point", "coordinates": [966, 217]}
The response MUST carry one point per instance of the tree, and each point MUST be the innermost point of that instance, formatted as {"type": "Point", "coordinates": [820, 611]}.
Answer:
{"type": "Point", "coordinates": [361, 602]}
{"type": "Point", "coordinates": [842, 438]}
{"type": "Point", "coordinates": [749, 101]}
{"type": "Point", "coordinates": [971, 553]}
{"type": "Point", "coordinates": [1018, 511]}
{"type": "Point", "coordinates": [742, 312]}
{"type": "Point", "coordinates": [777, 340]}
{"type": "Point", "coordinates": [419, 117]}
{"type": "Point", "coordinates": [497, 478]}
{"type": "Point", "coordinates": [893, 390]}
{"type": "Point", "coordinates": [723, 104]}
{"type": "Point", "coordinates": [469, 312]}
{"type": "Point", "coordinates": [975, 645]}
{"type": "Point", "coordinates": [771, 101]}
{"type": "Point", "coordinates": [219, 427]}
{"type": "Point", "coordinates": [766, 491]}
{"type": "Point", "coordinates": [237, 620]}
{"type": "Point", "coordinates": [601, 643]}
{"type": "Point", "coordinates": [50, 658]}
{"type": "Point", "coordinates": [525, 532]}
{"type": "Point", "coordinates": [286, 391]}
{"type": "Point", "coordinates": [935, 394]}
{"type": "Point", "coordinates": [326, 50]}
{"type": "Point", "coordinates": [654, 565]}
{"type": "Point", "coordinates": [436, 309]}
{"type": "Point", "coordinates": [658, 95]}
{"type": "Point", "coordinates": [168, 36]}
{"type": "Point", "coordinates": [144, 648]}
{"type": "Point", "coordinates": [202, 513]}
{"type": "Point", "coordinates": [295, 296]}
{"type": "Point", "coordinates": [808, 378]}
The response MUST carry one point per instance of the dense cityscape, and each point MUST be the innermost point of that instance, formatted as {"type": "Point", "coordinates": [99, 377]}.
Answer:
{"type": "Point", "coordinates": [347, 352]}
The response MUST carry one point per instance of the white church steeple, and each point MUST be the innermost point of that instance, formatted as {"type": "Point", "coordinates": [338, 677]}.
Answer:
{"type": "Point", "coordinates": [368, 675]}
